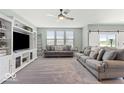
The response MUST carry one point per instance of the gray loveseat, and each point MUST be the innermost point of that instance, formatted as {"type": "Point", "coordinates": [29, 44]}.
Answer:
{"type": "Point", "coordinates": [58, 51]}
{"type": "Point", "coordinates": [103, 62]}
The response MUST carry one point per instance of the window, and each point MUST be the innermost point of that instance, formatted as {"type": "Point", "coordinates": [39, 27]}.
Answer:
{"type": "Point", "coordinates": [107, 39]}
{"type": "Point", "coordinates": [50, 37]}
{"type": "Point", "coordinates": [69, 35]}
{"type": "Point", "coordinates": [69, 38]}
{"type": "Point", "coordinates": [60, 38]}
{"type": "Point", "coordinates": [50, 42]}
{"type": "Point", "coordinates": [69, 42]}
{"type": "Point", "coordinates": [50, 34]}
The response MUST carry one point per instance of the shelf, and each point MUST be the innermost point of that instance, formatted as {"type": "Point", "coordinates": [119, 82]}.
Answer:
{"type": "Point", "coordinates": [3, 29]}
{"type": "Point", "coordinates": [1, 55]}
{"type": "Point", "coordinates": [22, 30]}
{"type": "Point", "coordinates": [3, 38]}
{"type": "Point", "coordinates": [4, 48]}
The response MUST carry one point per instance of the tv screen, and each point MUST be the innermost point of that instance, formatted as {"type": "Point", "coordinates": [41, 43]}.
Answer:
{"type": "Point", "coordinates": [20, 41]}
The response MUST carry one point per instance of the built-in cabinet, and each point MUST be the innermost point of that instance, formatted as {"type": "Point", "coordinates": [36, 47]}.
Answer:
{"type": "Point", "coordinates": [5, 37]}
{"type": "Point", "coordinates": [13, 61]}
{"type": "Point", "coordinates": [22, 58]}
{"type": "Point", "coordinates": [4, 67]}
{"type": "Point", "coordinates": [5, 46]}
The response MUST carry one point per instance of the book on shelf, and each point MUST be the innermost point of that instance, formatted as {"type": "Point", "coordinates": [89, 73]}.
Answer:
{"type": "Point", "coordinates": [3, 54]}
{"type": "Point", "coordinates": [2, 51]}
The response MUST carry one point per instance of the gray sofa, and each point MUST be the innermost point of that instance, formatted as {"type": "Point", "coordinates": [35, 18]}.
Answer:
{"type": "Point", "coordinates": [103, 62]}
{"type": "Point", "coordinates": [58, 51]}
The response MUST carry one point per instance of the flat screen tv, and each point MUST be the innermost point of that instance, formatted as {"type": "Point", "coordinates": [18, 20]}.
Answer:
{"type": "Point", "coordinates": [20, 41]}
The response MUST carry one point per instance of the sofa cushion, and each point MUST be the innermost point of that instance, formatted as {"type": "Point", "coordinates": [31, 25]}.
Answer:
{"type": "Point", "coordinates": [109, 55]}
{"type": "Point", "coordinates": [67, 48]}
{"type": "Point", "coordinates": [84, 58]}
{"type": "Point", "coordinates": [48, 48]}
{"type": "Point", "coordinates": [108, 48]}
{"type": "Point", "coordinates": [100, 54]}
{"type": "Point", "coordinates": [58, 53]}
{"type": "Point", "coordinates": [114, 64]}
{"type": "Point", "coordinates": [120, 54]}
{"type": "Point", "coordinates": [95, 64]}
{"type": "Point", "coordinates": [59, 48]}
{"type": "Point", "coordinates": [78, 55]}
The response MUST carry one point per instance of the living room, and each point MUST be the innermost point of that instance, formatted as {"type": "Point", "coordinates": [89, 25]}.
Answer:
{"type": "Point", "coordinates": [63, 46]}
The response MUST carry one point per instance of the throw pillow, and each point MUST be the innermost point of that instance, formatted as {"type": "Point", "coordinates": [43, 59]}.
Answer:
{"type": "Point", "coordinates": [86, 52]}
{"type": "Point", "coordinates": [67, 48]}
{"type": "Point", "coordinates": [93, 54]}
{"type": "Point", "coordinates": [109, 55]}
{"type": "Point", "coordinates": [52, 48]}
{"type": "Point", "coordinates": [82, 51]}
{"type": "Point", "coordinates": [48, 47]}
{"type": "Point", "coordinates": [100, 54]}
{"type": "Point", "coordinates": [120, 54]}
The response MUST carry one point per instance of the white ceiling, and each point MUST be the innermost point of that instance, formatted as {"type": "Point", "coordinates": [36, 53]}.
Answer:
{"type": "Point", "coordinates": [42, 18]}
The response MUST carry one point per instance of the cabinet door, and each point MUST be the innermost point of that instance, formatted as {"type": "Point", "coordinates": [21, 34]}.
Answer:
{"type": "Point", "coordinates": [4, 67]}
{"type": "Point", "coordinates": [34, 53]}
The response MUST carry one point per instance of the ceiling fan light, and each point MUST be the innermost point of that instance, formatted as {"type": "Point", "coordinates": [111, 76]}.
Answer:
{"type": "Point", "coordinates": [60, 17]}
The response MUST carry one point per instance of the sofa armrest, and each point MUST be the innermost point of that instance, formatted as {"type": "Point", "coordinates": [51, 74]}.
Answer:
{"type": "Point", "coordinates": [114, 64]}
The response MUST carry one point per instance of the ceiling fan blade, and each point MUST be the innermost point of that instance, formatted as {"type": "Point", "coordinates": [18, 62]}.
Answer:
{"type": "Point", "coordinates": [69, 18]}
{"type": "Point", "coordinates": [66, 11]}
{"type": "Point", "coordinates": [50, 15]}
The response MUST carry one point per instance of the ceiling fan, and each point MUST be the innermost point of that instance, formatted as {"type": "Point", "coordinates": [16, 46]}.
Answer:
{"type": "Point", "coordinates": [63, 15]}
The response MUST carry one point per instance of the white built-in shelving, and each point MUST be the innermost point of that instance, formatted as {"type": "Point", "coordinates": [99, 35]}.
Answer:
{"type": "Point", "coordinates": [5, 37]}
{"type": "Point", "coordinates": [21, 30]}
{"type": "Point", "coordinates": [5, 46]}
{"type": "Point", "coordinates": [8, 57]}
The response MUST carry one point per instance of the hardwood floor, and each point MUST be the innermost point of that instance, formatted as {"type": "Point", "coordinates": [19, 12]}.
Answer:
{"type": "Point", "coordinates": [57, 71]}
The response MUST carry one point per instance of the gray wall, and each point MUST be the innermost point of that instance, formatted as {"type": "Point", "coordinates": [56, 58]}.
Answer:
{"type": "Point", "coordinates": [77, 35]}
{"type": "Point", "coordinates": [106, 27]}
{"type": "Point", "coordinates": [85, 36]}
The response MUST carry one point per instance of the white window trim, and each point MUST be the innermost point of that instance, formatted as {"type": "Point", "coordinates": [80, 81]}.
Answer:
{"type": "Point", "coordinates": [55, 39]}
